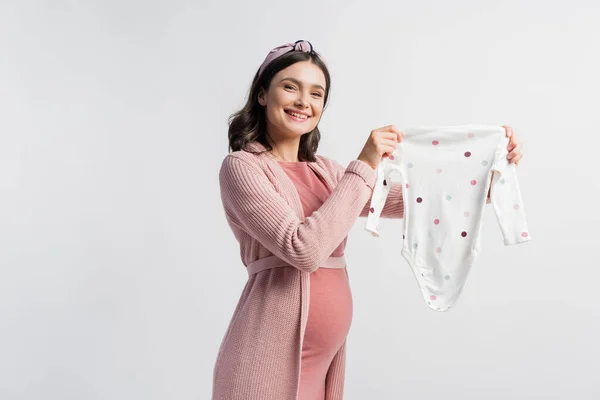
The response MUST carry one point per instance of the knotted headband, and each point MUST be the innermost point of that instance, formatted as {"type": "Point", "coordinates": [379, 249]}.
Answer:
{"type": "Point", "coordinates": [299, 45]}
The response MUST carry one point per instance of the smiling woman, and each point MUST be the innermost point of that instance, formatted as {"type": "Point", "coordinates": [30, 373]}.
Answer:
{"type": "Point", "coordinates": [291, 210]}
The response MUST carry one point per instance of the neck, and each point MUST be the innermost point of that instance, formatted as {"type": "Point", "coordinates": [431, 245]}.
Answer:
{"type": "Point", "coordinates": [285, 150]}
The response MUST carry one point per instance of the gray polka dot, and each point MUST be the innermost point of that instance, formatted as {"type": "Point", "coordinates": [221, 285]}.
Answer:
{"type": "Point", "coordinates": [447, 277]}
{"type": "Point", "coordinates": [410, 165]}
{"type": "Point", "coordinates": [484, 163]}
{"type": "Point", "coordinates": [502, 181]}
{"type": "Point", "coordinates": [448, 197]}
{"type": "Point", "coordinates": [415, 245]}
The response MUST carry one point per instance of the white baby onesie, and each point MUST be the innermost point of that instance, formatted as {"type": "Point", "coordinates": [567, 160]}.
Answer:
{"type": "Point", "coordinates": [446, 173]}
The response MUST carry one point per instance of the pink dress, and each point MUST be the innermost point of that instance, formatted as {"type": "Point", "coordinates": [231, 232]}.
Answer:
{"type": "Point", "coordinates": [330, 307]}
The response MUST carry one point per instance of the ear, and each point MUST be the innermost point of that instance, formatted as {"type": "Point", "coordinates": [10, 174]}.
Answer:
{"type": "Point", "coordinates": [262, 98]}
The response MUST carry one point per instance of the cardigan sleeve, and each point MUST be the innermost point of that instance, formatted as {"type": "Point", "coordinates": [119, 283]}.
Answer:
{"type": "Point", "coordinates": [394, 204]}
{"type": "Point", "coordinates": [252, 203]}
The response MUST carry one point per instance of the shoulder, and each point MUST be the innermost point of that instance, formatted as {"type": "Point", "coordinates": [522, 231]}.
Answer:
{"type": "Point", "coordinates": [239, 164]}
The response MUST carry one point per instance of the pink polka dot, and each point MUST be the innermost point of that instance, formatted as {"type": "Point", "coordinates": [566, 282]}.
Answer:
{"type": "Point", "coordinates": [372, 209]}
{"type": "Point", "coordinates": [438, 249]}
{"type": "Point", "coordinates": [473, 182]}
{"type": "Point", "coordinates": [391, 157]}
{"type": "Point", "coordinates": [516, 206]}
{"type": "Point", "coordinates": [468, 154]}
{"type": "Point", "coordinates": [432, 297]}
{"type": "Point", "coordinates": [435, 143]}
{"type": "Point", "coordinates": [419, 199]}
{"type": "Point", "coordinates": [439, 170]}
{"type": "Point", "coordinates": [463, 234]}
{"type": "Point", "coordinates": [407, 185]}
{"type": "Point", "coordinates": [524, 234]}
{"type": "Point", "coordinates": [470, 135]}
{"type": "Point", "coordinates": [436, 221]}
{"type": "Point", "coordinates": [467, 213]}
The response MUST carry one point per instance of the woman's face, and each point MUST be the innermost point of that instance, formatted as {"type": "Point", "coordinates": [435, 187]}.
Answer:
{"type": "Point", "coordinates": [295, 99]}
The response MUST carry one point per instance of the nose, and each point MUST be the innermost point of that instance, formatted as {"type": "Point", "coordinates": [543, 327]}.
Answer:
{"type": "Point", "coordinates": [301, 100]}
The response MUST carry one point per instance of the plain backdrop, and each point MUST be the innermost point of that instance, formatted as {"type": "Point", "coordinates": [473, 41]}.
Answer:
{"type": "Point", "coordinates": [119, 274]}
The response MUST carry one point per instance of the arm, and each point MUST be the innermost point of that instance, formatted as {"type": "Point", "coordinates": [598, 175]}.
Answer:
{"type": "Point", "coordinates": [252, 204]}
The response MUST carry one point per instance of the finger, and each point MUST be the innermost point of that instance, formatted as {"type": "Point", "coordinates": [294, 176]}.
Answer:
{"type": "Point", "coordinates": [384, 128]}
{"type": "Point", "coordinates": [392, 136]}
{"type": "Point", "coordinates": [388, 150]}
{"type": "Point", "coordinates": [508, 129]}
{"type": "Point", "coordinates": [516, 159]}
{"type": "Point", "coordinates": [390, 143]}
{"type": "Point", "coordinates": [391, 128]}
{"type": "Point", "coordinates": [515, 148]}
{"type": "Point", "coordinates": [514, 153]}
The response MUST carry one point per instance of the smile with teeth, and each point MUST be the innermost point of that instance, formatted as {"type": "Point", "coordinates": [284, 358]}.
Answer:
{"type": "Point", "coordinates": [296, 115]}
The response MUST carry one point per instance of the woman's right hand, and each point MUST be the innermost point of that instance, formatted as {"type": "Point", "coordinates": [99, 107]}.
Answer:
{"type": "Point", "coordinates": [381, 143]}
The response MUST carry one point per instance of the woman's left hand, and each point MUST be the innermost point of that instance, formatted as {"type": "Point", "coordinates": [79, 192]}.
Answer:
{"type": "Point", "coordinates": [515, 147]}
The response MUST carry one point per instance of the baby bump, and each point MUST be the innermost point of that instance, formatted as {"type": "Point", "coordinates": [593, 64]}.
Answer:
{"type": "Point", "coordinates": [329, 313]}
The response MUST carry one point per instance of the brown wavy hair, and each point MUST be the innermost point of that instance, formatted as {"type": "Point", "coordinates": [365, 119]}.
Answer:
{"type": "Point", "coordinates": [249, 124]}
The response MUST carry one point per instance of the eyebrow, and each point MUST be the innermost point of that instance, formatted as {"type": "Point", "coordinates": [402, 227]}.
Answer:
{"type": "Point", "coordinates": [297, 82]}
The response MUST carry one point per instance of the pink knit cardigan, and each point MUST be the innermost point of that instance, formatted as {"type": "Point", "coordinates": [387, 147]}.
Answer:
{"type": "Point", "coordinates": [259, 357]}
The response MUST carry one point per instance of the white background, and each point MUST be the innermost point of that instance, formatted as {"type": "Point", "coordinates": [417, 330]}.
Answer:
{"type": "Point", "coordinates": [119, 273]}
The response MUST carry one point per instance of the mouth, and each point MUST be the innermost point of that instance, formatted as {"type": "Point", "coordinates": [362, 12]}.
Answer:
{"type": "Point", "coordinates": [297, 116]}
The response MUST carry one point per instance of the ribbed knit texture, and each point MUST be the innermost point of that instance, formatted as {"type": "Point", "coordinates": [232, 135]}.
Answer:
{"type": "Point", "coordinates": [259, 357]}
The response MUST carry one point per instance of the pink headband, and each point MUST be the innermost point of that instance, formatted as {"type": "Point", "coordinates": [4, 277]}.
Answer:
{"type": "Point", "coordinates": [299, 45]}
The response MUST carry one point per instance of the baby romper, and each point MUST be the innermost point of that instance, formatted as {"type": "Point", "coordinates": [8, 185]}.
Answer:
{"type": "Point", "coordinates": [446, 172]}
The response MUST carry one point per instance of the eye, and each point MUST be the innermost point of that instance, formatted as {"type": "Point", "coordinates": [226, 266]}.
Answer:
{"type": "Point", "coordinates": [318, 94]}
{"type": "Point", "coordinates": [290, 87]}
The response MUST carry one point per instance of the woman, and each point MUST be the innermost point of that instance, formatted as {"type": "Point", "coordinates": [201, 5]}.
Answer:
{"type": "Point", "coordinates": [291, 210]}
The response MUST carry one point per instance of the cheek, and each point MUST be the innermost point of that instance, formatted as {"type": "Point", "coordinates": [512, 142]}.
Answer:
{"type": "Point", "coordinates": [318, 107]}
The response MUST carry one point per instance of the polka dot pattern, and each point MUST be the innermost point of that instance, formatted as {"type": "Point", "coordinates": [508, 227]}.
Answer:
{"type": "Point", "coordinates": [436, 238]}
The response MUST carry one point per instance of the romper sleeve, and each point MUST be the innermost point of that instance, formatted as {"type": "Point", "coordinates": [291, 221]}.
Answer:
{"type": "Point", "coordinates": [252, 203]}
{"type": "Point", "coordinates": [505, 196]}
{"type": "Point", "coordinates": [387, 199]}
